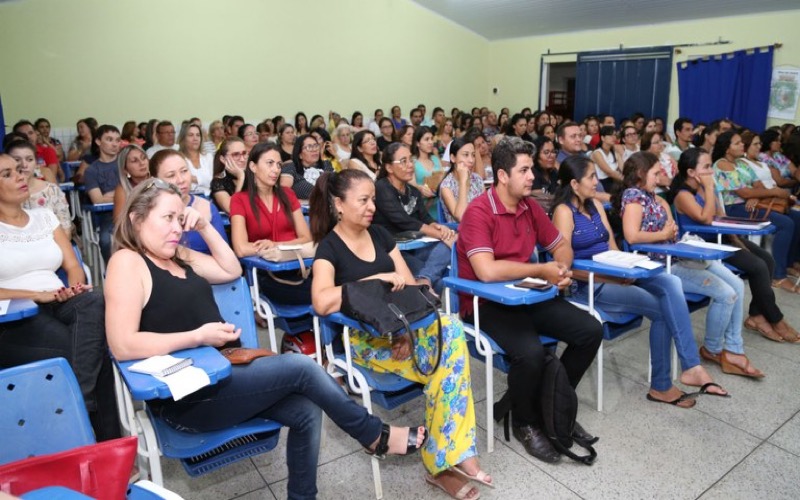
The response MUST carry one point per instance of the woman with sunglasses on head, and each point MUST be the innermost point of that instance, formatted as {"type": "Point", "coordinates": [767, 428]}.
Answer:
{"type": "Point", "coordinates": [695, 201]}
{"type": "Point", "coordinates": [159, 300]}
{"type": "Point", "coordinates": [306, 166]}
{"type": "Point", "coordinates": [352, 249]}
{"type": "Point", "coordinates": [172, 167]}
{"type": "Point", "coordinates": [69, 322]}
{"type": "Point", "coordinates": [400, 208]}
{"type": "Point", "coordinates": [229, 164]}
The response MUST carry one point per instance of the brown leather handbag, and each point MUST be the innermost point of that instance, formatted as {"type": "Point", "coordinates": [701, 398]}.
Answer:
{"type": "Point", "coordinates": [244, 355]}
{"type": "Point", "coordinates": [767, 205]}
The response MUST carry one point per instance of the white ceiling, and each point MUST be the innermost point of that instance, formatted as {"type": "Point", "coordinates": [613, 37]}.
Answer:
{"type": "Point", "coordinates": [498, 19]}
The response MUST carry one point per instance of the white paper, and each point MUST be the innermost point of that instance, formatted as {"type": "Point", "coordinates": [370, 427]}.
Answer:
{"type": "Point", "coordinates": [710, 246]}
{"type": "Point", "coordinates": [155, 365]}
{"type": "Point", "coordinates": [649, 264]}
{"type": "Point", "coordinates": [186, 381]}
{"type": "Point", "coordinates": [535, 281]}
{"type": "Point", "coordinates": [784, 93]}
{"type": "Point", "coordinates": [618, 258]}
{"type": "Point", "coordinates": [290, 247]}
{"type": "Point", "coordinates": [428, 239]}
{"type": "Point", "coordinates": [4, 306]}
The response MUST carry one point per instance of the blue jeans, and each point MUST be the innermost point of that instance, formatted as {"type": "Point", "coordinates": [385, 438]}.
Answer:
{"type": "Point", "coordinates": [429, 262]}
{"type": "Point", "coordinates": [105, 225]}
{"type": "Point", "coordinates": [291, 389]}
{"type": "Point", "coordinates": [726, 312]}
{"type": "Point", "coordinates": [661, 300]}
{"type": "Point", "coordinates": [786, 243]}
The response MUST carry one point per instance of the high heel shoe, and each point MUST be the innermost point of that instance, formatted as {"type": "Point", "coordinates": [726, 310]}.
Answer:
{"type": "Point", "coordinates": [732, 369]}
{"type": "Point", "coordinates": [382, 448]}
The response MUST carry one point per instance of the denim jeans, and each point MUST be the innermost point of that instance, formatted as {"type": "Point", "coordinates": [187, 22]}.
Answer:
{"type": "Point", "coordinates": [661, 300]}
{"type": "Point", "coordinates": [429, 262]}
{"type": "Point", "coordinates": [105, 224]}
{"type": "Point", "coordinates": [786, 243]}
{"type": "Point", "coordinates": [291, 389]}
{"type": "Point", "coordinates": [726, 312]}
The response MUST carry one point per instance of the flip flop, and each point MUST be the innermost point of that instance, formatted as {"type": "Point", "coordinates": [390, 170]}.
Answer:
{"type": "Point", "coordinates": [773, 335]}
{"type": "Point", "coordinates": [480, 477]}
{"type": "Point", "coordinates": [704, 390]}
{"type": "Point", "coordinates": [732, 369]}
{"type": "Point", "coordinates": [461, 494]}
{"type": "Point", "coordinates": [785, 284]}
{"type": "Point", "coordinates": [676, 402]}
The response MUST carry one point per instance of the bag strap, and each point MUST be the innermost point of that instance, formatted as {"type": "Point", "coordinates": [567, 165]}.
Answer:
{"type": "Point", "coordinates": [303, 271]}
{"type": "Point", "coordinates": [586, 459]}
{"type": "Point", "coordinates": [768, 209]}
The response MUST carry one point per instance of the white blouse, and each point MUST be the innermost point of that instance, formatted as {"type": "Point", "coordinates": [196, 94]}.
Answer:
{"type": "Point", "coordinates": [31, 255]}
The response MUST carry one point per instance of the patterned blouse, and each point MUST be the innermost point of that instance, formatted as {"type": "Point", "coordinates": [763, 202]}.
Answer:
{"type": "Point", "coordinates": [52, 197]}
{"type": "Point", "coordinates": [654, 215]}
{"type": "Point", "coordinates": [727, 182]}
{"type": "Point", "coordinates": [450, 182]}
{"type": "Point", "coordinates": [778, 161]}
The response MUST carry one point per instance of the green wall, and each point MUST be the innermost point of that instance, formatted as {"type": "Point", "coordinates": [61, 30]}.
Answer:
{"type": "Point", "coordinates": [118, 60]}
{"type": "Point", "coordinates": [514, 64]}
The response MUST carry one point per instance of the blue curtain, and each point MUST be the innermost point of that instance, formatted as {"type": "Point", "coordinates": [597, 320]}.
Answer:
{"type": "Point", "coordinates": [2, 125]}
{"type": "Point", "coordinates": [734, 86]}
{"type": "Point", "coordinates": [623, 82]}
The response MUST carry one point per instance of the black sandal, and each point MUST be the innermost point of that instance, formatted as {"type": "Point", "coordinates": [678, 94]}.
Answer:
{"type": "Point", "coordinates": [676, 402]}
{"type": "Point", "coordinates": [383, 442]}
{"type": "Point", "coordinates": [704, 390]}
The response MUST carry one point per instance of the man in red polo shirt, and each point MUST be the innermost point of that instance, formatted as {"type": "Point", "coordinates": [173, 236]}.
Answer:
{"type": "Point", "coordinates": [497, 238]}
{"type": "Point", "coordinates": [46, 156]}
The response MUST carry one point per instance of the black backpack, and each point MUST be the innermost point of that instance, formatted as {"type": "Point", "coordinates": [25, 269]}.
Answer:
{"type": "Point", "coordinates": [559, 407]}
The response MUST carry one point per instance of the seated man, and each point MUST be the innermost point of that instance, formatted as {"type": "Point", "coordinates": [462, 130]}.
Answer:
{"type": "Point", "coordinates": [46, 156]}
{"type": "Point", "coordinates": [101, 179]}
{"type": "Point", "coordinates": [498, 235]}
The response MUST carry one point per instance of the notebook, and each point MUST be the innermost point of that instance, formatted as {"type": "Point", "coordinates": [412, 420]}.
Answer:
{"type": "Point", "coordinates": [161, 366]}
{"type": "Point", "coordinates": [617, 258]}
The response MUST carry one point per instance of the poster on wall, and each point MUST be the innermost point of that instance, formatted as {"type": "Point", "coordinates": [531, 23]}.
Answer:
{"type": "Point", "coordinates": [784, 93]}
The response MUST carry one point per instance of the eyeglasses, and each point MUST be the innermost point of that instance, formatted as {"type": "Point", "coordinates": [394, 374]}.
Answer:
{"type": "Point", "coordinates": [371, 140]}
{"type": "Point", "coordinates": [311, 148]}
{"type": "Point", "coordinates": [161, 185]}
{"type": "Point", "coordinates": [238, 154]}
{"type": "Point", "coordinates": [548, 152]}
{"type": "Point", "coordinates": [632, 134]}
{"type": "Point", "coordinates": [403, 161]}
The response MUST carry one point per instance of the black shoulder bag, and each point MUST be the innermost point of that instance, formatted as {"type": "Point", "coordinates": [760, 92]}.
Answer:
{"type": "Point", "coordinates": [373, 303]}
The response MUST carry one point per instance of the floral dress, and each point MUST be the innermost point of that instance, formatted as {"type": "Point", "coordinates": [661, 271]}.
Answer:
{"type": "Point", "coordinates": [778, 161]}
{"type": "Point", "coordinates": [450, 182]}
{"type": "Point", "coordinates": [654, 215]}
{"type": "Point", "coordinates": [728, 182]}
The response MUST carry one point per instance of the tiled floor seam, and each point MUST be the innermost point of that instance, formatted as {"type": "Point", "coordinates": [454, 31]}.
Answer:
{"type": "Point", "coordinates": [723, 476]}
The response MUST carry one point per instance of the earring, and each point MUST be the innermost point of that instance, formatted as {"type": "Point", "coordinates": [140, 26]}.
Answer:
{"type": "Point", "coordinates": [340, 216]}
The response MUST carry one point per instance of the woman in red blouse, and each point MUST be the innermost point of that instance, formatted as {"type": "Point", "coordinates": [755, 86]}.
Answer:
{"type": "Point", "coordinates": [264, 215]}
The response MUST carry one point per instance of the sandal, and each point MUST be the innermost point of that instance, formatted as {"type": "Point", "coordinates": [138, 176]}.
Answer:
{"type": "Point", "coordinates": [790, 335]}
{"type": "Point", "coordinates": [382, 448]}
{"type": "Point", "coordinates": [704, 390]}
{"type": "Point", "coordinates": [684, 398]}
{"type": "Point", "coordinates": [770, 334]}
{"type": "Point", "coordinates": [785, 284]}
{"type": "Point", "coordinates": [480, 477]}
{"type": "Point", "coordinates": [732, 369]}
{"type": "Point", "coordinates": [708, 355]}
{"type": "Point", "coordinates": [461, 494]}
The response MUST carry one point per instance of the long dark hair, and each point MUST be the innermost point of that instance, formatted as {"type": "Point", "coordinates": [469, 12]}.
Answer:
{"type": "Point", "coordinates": [322, 210]}
{"type": "Point", "coordinates": [688, 159]}
{"type": "Point", "coordinates": [306, 127]}
{"type": "Point", "coordinates": [219, 165]}
{"type": "Point", "coordinates": [634, 172]}
{"type": "Point", "coordinates": [358, 139]}
{"type": "Point", "coordinates": [573, 167]}
{"type": "Point", "coordinates": [250, 186]}
{"type": "Point", "coordinates": [724, 141]}
{"type": "Point", "coordinates": [298, 149]}
{"type": "Point", "coordinates": [418, 135]}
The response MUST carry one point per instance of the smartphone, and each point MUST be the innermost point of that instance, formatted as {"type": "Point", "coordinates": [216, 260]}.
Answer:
{"type": "Point", "coordinates": [533, 284]}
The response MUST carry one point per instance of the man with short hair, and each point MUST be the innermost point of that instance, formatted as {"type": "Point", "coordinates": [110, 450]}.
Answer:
{"type": "Point", "coordinates": [570, 140]}
{"type": "Point", "coordinates": [233, 124]}
{"type": "Point", "coordinates": [165, 138]}
{"type": "Point", "coordinates": [490, 127]}
{"type": "Point", "coordinates": [101, 179]}
{"type": "Point", "coordinates": [725, 125]}
{"type": "Point", "coordinates": [416, 117]}
{"type": "Point", "coordinates": [683, 128]}
{"type": "Point", "coordinates": [46, 156]}
{"type": "Point", "coordinates": [608, 121]}
{"type": "Point", "coordinates": [498, 235]}
{"type": "Point", "coordinates": [426, 122]}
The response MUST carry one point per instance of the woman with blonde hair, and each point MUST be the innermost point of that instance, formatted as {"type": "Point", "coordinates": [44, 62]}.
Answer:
{"type": "Point", "coordinates": [133, 168]}
{"type": "Point", "coordinates": [201, 164]}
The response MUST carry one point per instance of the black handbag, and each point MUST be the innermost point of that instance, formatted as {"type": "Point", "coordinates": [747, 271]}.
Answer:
{"type": "Point", "coordinates": [373, 303]}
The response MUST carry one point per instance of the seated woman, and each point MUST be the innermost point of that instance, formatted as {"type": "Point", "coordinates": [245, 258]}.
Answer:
{"type": "Point", "coordinates": [341, 140]}
{"type": "Point", "coordinates": [387, 132]}
{"type": "Point", "coordinates": [248, 134]}
{"type": "Point", "coordinates": [301, 123]}
{"type": "Point", "coordinates": [771, 155]}
{"type": "Point", "coordinates": [405, 135]}
{"type": "Point", "coordinates": [134, 167]}
{"type": "Point", "coordinates": [43, 194]}
{"type": "Point", "coordinates": [264, 215]}
{"type": "Point", "coordinates": [741, 191]}
{"type": "Point", "coordinates": [286, 137]}
{"type": "Point", "coordinates": [158, 300]}
{"type": "Point", "coordinates": [426, 166]}
{"type": "Point", "coordinates": [646, 218]}
{"type": "Point", "coordinates": [326, 148]}
{"type": "Point", "coordinates": [352, 249]}
{"type": "Point", "coordinates": [696, 201]}
{"type": "Point", "coordinates": [365, 156]}
{"type": "Point", "coordinates": [545, 172]}
{"type": "Point", "coordinates": [461, 185]}
{"type": "Point", "coordinates": [306, 166]}
{"type": "Point", "coordinates": [229, 164]}
{"type": "Point", "coordinates": [769, 177]}
{"type": "Point", "coordinates": [399, 208]}
{"type": "Point", "coordinates": [630, 143]}
{"type": "Point", "coordinates": [606, 159]}
{"type": "Point", "coordinates": [201, 164]}
{"type": "Point", "coordinates": [443, 137]}
{"type": "Point", "coordinates": [582, 222]}
{"type": "Point", "coordinates": [70, 321]}
{"type": "Point", "coordinates": [652, 143]}
{"type": "Point", "coordinates": [170, 166]}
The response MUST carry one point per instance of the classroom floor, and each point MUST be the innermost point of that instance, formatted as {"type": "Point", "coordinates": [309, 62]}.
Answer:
{"type": "Point", "coordinates": [747, 446]}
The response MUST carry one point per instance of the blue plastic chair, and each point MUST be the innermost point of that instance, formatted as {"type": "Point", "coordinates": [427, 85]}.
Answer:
{"type": "Point", "coordinates": [482, 347]}
{"type": "Point", "coordinates": [62, 275]}
{"type": "Point", "coordinates": [204, 452]}
{"type": "Point", "coordinates": [42, 412]}
{"type": "Point", "coordinates": [441, 219]}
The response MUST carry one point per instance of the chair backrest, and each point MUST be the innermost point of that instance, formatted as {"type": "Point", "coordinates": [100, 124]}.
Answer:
{"type": "Point", "coordinates": [440, 210]}
{"type": "Point", "coordinates": [236, 306]}
{"type": "Point", "coordinates": [41, 410]}
{"type": "Point", "coordinates": [62, 275]}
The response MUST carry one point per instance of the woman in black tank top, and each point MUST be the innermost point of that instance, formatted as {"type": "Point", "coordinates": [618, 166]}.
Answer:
{"type": "Point", "coordinates": [158, 300]}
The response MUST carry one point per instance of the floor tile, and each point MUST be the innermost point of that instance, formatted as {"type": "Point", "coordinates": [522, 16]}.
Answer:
{"type": "Point", "coordinates": [788, 436]}
{"type": "Point", "coordinates": [228, 482]}
{"type": "Point", "coordinates": [768, 472]}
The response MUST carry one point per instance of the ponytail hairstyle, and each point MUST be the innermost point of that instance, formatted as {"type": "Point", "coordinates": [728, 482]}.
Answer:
{"type": "Point", "coordinates": [322, 209]}
{"type": "Point", "coordinates": [574, 167]}
{"type": "Point", "coordinates": [688, 160]}
{"type": "Point", "coordinates": [634, 172]}
{"type": "Point", "coordinates": [252, 189]}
